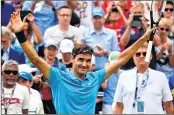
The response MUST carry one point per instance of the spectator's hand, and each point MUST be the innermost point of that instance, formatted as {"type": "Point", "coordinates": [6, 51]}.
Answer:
{"type": "Point", "coordinates": [36, 79]}
{"type": "Point", "coordinates": [30, 18]}
{"type": "Point", "coordinates": [131, 16]}
{"type": "Point", "coordinates": [100, 51]}
{"type": "Point", "coordinates": [163, 48]}
{"type": "Point", "coordinates": [16, 23]}
{"type": "Point", "coordinates": [144, 22]}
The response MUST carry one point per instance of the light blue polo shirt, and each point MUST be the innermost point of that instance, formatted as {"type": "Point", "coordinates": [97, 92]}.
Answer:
{"type": "Point", "coordinates": [107, 39]}
{"type": "Point", "coordinates": [72, 95]}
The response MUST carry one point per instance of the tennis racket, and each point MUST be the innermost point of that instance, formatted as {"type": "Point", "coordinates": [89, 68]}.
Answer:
{"type": "Point", "coordinates": [156, 13]}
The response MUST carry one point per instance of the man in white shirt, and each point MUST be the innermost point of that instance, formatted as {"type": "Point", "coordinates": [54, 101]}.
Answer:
{"type": "Point", "coordinates": [63, 29]}
{"type": "Point", "coordinates": [25, 79]}
{"type": "Point", "coordinates": [14, 97]}
{"type": "Point", "coordinates": [142, 90]}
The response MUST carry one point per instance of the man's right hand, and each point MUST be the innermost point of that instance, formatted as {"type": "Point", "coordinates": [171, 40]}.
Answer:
{"type": "Point", "coordinates": [16, 23]}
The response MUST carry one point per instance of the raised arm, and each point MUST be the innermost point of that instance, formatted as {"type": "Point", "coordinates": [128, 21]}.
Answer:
{"type": "Point", "coordinates": [127, 54]}
{"type": "Point", "coordinates": [36, 31]}
{"type": "Point", "coordinates": [17, 26]}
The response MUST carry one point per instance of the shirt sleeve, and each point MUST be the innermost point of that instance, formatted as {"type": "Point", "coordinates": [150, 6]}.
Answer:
{"type": "Point", "coordinates": [54, 77]}
{"type": "Point", "coordinates": [25, 103]}
{"type": "Point", "coordinates": [167, 96]}
{"type": "Point", "coordinates": [41, 111]}
{"type": "Point", "coordinates": [100, 75]}
{"type": "Point", "coordinates": [115, 45]}
{"type": "Point", "coordinates": [118, 97]}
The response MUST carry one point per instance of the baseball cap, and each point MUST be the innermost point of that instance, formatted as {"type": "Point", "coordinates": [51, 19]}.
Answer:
{"type": "Point", "coordinates": [98, 12]}
{"type": "Point", "coordinates": [66, 46]}
{"type": "Point", "coordinates": [26, 68]}
{"type": "Point", "coordinates": [50, 42]}
{"type": "Point", "coordinates": [113, 56]}
{"type": "Point", "coordinates": [25, 75]}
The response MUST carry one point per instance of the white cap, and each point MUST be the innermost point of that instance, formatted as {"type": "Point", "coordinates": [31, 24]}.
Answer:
{"type": "Point", "coordinates": [66, 46]}
{"type": "Point", "coordinates": [26, 68]}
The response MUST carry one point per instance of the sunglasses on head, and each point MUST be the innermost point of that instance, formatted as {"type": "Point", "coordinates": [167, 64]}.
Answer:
{"type": "Point", "coordinates": [162, 29]}
{"type": "Point", "coordinates": [11, 71]}
{"type": "Point", "coordinates": [169, 9]}
{"type": "Point", "coordinates": [138, 54]}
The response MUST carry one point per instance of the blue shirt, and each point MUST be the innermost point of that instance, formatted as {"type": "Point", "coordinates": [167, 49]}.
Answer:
{"type": "Point", "coordinates": [44, 17]}
{"type": "Point", "coordinates": [72, 95]}
{"type": "Point", "coordinates": [6, 11]}
{"type": "Point", "coordinates": [107, 39]}
{"type": "Point", "coordinates": [110, 90]}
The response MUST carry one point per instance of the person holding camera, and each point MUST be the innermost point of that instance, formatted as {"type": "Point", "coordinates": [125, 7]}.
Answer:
{"type": "Point", "coordinates": [116, 20]}
{"type": "Point", "coordinates": [136, 26]}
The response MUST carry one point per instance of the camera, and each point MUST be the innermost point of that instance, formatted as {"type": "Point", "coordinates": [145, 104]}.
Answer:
{"type": "Point", "coordinates": [136, 22]}
{"type": "Point", "coordinates": [114, 8]}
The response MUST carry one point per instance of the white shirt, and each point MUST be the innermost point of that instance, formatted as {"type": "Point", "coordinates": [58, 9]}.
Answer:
{"type": "Point", "coordinates": [84, 12]}
{"type": "Point", "coordinates": [56, 34]}
{"type": "Point", "coordinates": [36, 105]}
{"type": "Point", "coordinates": [19, 101]}
{"type": "Point", "coordinates": [156, 91]}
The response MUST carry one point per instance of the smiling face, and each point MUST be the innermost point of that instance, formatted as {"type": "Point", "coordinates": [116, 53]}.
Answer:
{"type": "Point", "coordinates": [10, 75]}
{"type": "Point", "coordinates": [169, 10]}
{"type": "Point", "coordinates": [50, 52]}
{"type": "Point", "coordinates": [81, 64]}
{"type": "Point", "coordinates": [98, 22]}
{"type": "Point", "coordinates": [139, 57]}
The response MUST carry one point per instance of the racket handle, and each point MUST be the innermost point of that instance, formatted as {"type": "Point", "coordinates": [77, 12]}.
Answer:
{"type": "Point", "coordinates": [147, 59]}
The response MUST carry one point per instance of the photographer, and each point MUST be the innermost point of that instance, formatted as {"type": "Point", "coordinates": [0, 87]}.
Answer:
{"type": "Point", "coordinates": [135, 28]}
{"type": "Point", "coordinates": [115, 20]}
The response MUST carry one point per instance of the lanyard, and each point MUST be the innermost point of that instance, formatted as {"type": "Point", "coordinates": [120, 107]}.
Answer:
{"type": "Point", "coordinates": [141, 87]}
{"type": "Point", "coordinates": [6, 104]}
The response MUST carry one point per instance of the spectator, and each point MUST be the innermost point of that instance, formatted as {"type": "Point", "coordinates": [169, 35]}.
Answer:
{"type": "Point", "coordinates": [111, 85]}
{"type": "Point", "coordinates": [115, 21]}
{"type": "Point", "coordinates": [130, 34]}
{"type": "Point", "coordinates": [66, 47]}
{"type": "Point", "coordinates": [169, 9]}
{"type": "Point", "coordinates": [171, 84]}
{"type": "Point", "coordinates": [8, 52]}
{"type": "Point", "coordinates": [35, 102]}
{"type": "Point", "coordinates": [103, 40]}
{"type": "Point", "coordinates": [44, 12]}
{"type": "Point", "coordinates": [84, 12]}
{"type": "Point", "coordinates": [142, 90]}
{"type": "Point", "coordinates": [6, 11]}
{"type": "Point", "coordinates": [50, 51]}
{"type": "Point", "coordinates": [79, 86]}
{"type": "Point", "coordinates": [15, 97]}
{"type": "Point", "coordinates": [164, 52]}
{"type": "Point", "coordinates": [63, 29]}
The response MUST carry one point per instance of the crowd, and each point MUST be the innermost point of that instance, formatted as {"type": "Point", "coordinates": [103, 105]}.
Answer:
{"type": "Point", "coordinates": [86, 57]}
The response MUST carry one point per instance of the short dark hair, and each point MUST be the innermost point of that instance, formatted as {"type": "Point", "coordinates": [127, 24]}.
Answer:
{"type": "Point", "coordinates": [63, 7]}
{"type": "Point", "coordinates": [170, 2]}
{"type": "Point", "coordinates": [82, 49]}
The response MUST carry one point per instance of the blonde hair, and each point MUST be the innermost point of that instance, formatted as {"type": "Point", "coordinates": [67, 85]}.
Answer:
{"type": "Point", "coordinates": [167, 22]}
{"type": "Point", "coordinates": [138, 5]}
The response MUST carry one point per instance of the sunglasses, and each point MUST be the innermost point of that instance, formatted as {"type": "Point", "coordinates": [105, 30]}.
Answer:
{"type": "Point", "coordinates": [169, 9]}
{"type": "Point", "coordinates": [138, 54]}
{"type": "Point", "coordinates": [162, 29]}
{"type": "Point", "coordinates": [11, 71]}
